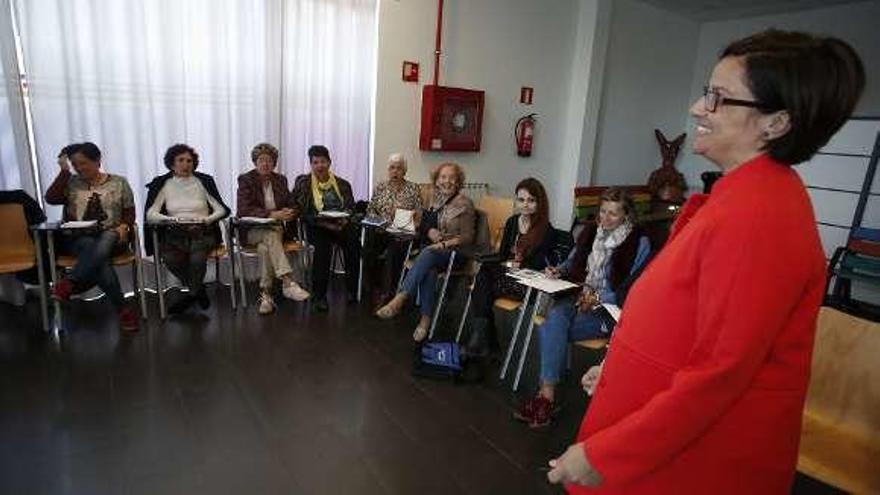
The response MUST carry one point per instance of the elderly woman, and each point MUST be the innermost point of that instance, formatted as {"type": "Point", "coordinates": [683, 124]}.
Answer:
{"type": "Point", "coordinates": [93, 194]}
{"type": "Point", "coordinates": [526, 242]}
{"type": "Point", "coordinates": [263, 193]}
{"type": "Point", "coordinates": [703, 386]}
{"type": "Point", "coordinates": [607, 258]}
{"type": "Point", "coordinates": [317, 194]}
{"type": "Point", "coordinates": [192, 200]}
{"type": "Point", "coordinates": [446, 224]}
{"type": "Point", "coordinates": [392, 195]}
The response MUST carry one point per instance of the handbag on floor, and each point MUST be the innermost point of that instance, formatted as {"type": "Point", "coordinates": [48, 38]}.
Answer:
{"type": "Point", "coordinates": [438, 360]}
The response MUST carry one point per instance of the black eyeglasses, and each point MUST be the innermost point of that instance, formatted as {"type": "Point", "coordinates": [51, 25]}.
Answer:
{"type": "Point", "coordinates": [712, 99]}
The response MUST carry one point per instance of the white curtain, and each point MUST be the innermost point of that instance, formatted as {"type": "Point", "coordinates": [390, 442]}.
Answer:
{"type": "Point", "coordinates": [136, 76]}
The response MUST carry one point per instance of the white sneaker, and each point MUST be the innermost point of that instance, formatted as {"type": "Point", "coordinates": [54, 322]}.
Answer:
{"type": "Point", "coordinates": [267, 305]}
{"type": "Point", "coordinates": [295, 292]}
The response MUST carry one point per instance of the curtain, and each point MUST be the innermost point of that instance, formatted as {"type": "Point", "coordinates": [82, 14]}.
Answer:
{"type": "Point", "coordinates": [136, 76]}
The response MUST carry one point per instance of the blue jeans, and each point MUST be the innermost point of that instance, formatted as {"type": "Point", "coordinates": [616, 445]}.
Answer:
{"type": "Point", "coordinates": [423, 276]}
{"type": "Point", "coordinates": [93, 254]}
{"type": "Point", "coordinates": [564, 324]}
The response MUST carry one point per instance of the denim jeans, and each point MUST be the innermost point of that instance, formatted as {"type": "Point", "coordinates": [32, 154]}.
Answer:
{"type": "Point", "coordinates": [93, 255]}
{"type": "Point", "coordinates": [423, 276]}
{"type": "Point", "coordinates": [564, 324]}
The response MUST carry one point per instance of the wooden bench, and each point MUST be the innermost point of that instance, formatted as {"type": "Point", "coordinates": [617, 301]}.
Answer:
{"type": "Point", "coordinates": [840, 441]}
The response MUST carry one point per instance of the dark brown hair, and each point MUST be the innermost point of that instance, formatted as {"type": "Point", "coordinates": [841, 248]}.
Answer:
{"type": "Point", "coordinates": [540, 220]}
{"type": "Point", "coordinates": [817, 80]}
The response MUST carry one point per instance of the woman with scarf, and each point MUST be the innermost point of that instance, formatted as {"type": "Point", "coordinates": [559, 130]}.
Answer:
{"type": "Point", "coordinates": [607, 258]}
{"type": "Point", "coordinates": [446, 224]}
{"type": "Point", "coordinates": [316, 194]}
{"type": "Point", "coordinates": [527, 241]}
{"type": "Point", "coordinates": [192, 197]}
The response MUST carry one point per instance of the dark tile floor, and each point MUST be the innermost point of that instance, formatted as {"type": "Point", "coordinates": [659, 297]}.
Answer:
{"type": "Point", "coordinates": [231, 402]}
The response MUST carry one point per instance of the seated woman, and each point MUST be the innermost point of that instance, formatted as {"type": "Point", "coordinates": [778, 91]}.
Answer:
{"type": "Point", "coordinates": [316, 193]}
{"type": "Point", "coordinates": [184, 195]}
{"type": "Point", "coordinates": [93, 194]}
{"type": "Point", "coordinates": [527, 241]}
{"type": "Point", "coordinates": [446, 224]}
{"type": "Point", "coordinates": [263, 193]}
{"type": "Point", "coordinates": [606, 259]}
{"type": "Point", "coordinates": [394, 194]}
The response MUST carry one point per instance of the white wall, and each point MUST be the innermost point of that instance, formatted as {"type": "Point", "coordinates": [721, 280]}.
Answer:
{"type": "Point", "coordinates": [858, 24]}
{"type": "Point", "coordinates": [648, 74]}
{"type": "Point", "coordinates": [496, 46]}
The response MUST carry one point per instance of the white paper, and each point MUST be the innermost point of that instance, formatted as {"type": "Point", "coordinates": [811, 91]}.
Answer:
{"type": "Point", "coordinates": [333, 214]}
{"type": "Point", "coordinates": [547, 284]}
{"type": "Point", "coordinates": [613, 310]}
{"type": "Point", "coordinates": [257, 220]}
{"type": "Point", "coordinates": [189, 220]}
{"type": "Point", "coordinates": [79, 224]}
{"type": "Point", "coordinates": [526, 274]}
{"type": "Point", "coordinates": [403, 220]}
{"type": "Point", "coordinates": [374, 221]}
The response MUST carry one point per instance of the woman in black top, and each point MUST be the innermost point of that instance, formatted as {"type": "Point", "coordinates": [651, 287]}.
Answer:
{"type": "Point", "coordinates": [527, 241]}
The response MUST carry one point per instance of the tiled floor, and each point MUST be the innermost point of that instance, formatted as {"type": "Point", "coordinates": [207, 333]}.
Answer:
{"type": "Point", "coordinates": [231, 402]}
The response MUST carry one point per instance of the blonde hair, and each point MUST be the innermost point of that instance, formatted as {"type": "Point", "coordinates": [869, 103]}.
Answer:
{"type": "Point", "coordinates": [459, 172]}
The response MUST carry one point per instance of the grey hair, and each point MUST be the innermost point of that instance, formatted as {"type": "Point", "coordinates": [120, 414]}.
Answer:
{"type": "Point", "coordinates": [398, 157]}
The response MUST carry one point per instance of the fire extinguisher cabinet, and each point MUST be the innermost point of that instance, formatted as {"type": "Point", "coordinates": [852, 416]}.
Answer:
{"type": "Point", "coordinates": [452, 119]}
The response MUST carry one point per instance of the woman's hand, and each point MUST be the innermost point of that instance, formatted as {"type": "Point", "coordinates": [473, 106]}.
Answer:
{"type": "Point", "coordinates": [64, 163]}
{"type": "Point", "coordinates": [591, 378]}
{"type": "Point", "coordinates": [552, 271]}
{"type": "Point", "coordinates": [122, 230]}
{"type": "Point", "coordinates": [284, 214]}
{"type": "Point", "coordinates": [515, 265]}
{"type": "Point", "coordinates": [573, 467]}
{"type": "Point", "coordinates": [434, 235]}
{"type": "Point", "coordinates": [586, 301]}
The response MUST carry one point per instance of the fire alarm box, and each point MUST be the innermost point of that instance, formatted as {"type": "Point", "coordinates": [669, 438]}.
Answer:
{"type": "Point", "coordinates": [452, 119]}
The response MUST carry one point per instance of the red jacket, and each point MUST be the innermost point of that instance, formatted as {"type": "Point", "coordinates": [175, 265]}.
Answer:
{"type": "Point", "coordinates": [704, 384]}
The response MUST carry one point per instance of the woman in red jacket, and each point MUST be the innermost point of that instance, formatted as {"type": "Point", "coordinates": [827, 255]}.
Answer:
{"type": "Point", "coordinates": [704, 384]}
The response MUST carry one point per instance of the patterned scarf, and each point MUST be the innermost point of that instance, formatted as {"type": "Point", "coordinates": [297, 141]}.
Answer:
{"type": "Point", "coordinates": [604, 244]}
{"type": "Point", "coordinates": [319, 188]}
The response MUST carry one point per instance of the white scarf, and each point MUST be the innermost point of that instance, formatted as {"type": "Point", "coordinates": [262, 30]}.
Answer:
{"type": "Point", "coordinates": [604, 244]}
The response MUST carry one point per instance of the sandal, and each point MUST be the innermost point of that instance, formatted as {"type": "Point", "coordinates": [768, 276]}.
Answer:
{"type": "Point", "coordinates": [420, 334]}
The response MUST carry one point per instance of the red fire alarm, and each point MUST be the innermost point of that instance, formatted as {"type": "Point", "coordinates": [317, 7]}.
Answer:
{"type": "Point", "coordinates": [410, 71]}
{"type": "Point", "coordinates": [452, 119]}
{"type": "Point", "coordinates": [525, 95]}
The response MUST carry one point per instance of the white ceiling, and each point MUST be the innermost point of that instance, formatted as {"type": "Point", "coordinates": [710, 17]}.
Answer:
{"type": "Point", "coordinates": [717, 10]}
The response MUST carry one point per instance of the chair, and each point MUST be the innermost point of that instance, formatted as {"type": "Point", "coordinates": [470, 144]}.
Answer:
{"type": "Point", "coordinates": [497, 211]}
{"type": "Point", "coordinates": [133, 258]}
{"type": "Point", "coordinates": [858, 261]}
{"type": "Point", "coordinates": [216, 254]}
{"type": "Point", "coordinates": [840, 439]}
{"type": "Point", "coordinates": [299, 246]}
{"type": "Point", "coordinates": [481, 241]}
{"type": "Point", "coordinates": [18, 252]}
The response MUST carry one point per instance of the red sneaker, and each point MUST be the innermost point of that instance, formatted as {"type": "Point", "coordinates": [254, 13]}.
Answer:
{"type": "Point", "coordinates": [128, 319]}
{"type": "Point", "coordinates": [526, 412]}
{"type": "Point", "coordinates": [62, 290]}
{"type": "Point", "coordinates": [542, 413]}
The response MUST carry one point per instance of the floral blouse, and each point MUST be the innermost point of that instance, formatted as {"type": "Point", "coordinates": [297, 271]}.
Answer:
{"type": "Point", "coordinates": [386, 199]}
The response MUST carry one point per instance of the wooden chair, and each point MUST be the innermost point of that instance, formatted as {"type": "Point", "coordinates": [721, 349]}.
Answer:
{"type": "Point", "coordinates": [18, 251]}
{"type": "Point", "coordinates": [497, 210]}
{"type": "Point", "coordinates": [840, 440]}
{"type": "Point", "coordinates": [132, 258]}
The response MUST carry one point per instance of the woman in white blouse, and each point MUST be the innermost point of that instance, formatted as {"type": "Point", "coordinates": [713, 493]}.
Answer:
{"type": "Point", "coordinates": [191, 202]}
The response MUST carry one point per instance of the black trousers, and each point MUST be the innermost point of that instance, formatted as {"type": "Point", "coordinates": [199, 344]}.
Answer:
{"type": "Point", "coordinates": [324, 239]}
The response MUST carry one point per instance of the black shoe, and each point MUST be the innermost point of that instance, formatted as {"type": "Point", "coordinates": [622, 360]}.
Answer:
{"type": "Point", "coordinates": [181, 305]}
{"type": "Point", "coordinates": [320, 306]}
{"type": "Point", "coordinates": [202, 299]}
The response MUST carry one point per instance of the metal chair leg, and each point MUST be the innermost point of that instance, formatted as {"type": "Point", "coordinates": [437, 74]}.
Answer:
{"type": "Point", "coordinates": [467, 304]}
{"type": "Point", "coordinates": [403, 268]}
{"type": "Point", "coordinates": [41, 276]}
{"type": "Point", "coordinates": [157, 267]}
{"type": "Point", "coordinates": [139, 270]}
{"type": "Point", "coordinates": [56, 306]}
{"type": "Point", "coordinates": [439, 305]}
{"type": "Point", "coordinates": [526, 342]}
{"type": "Point", "coordinates": [516, 327]}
